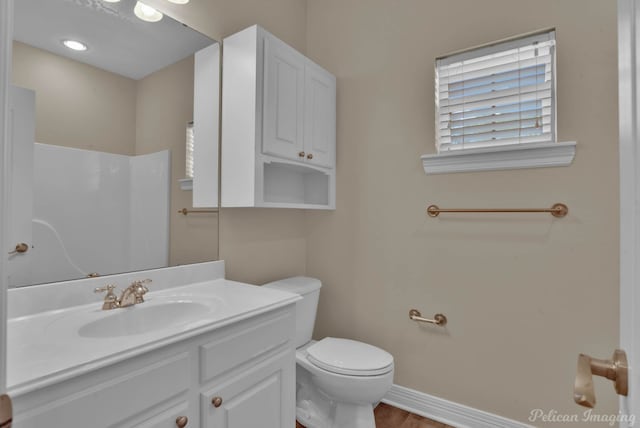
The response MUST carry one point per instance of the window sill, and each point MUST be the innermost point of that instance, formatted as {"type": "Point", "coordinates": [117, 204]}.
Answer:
{"type": "Point", "coordinates": [186, 183]}
{"type": "Point", "coordinates": [540, 155]}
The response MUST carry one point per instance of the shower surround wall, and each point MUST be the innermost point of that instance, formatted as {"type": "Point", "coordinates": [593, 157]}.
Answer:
{"type": "Point", "coordinates": [120, 202]}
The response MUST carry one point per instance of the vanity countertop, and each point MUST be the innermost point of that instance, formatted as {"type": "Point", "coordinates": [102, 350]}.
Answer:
{"type": "Point", "coordinates": [52, 346]}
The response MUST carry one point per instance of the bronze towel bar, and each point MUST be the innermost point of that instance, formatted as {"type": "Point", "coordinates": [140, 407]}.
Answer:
{"type": "Point", "coordinates": [185, 211]}
{"type": "Point", "coordinates": [557, 210]}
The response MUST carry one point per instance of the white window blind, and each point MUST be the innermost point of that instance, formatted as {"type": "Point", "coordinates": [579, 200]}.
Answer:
{"type": "Point", "coordinates": [497, 95]}
{"type": "Point", "coordinates": [189, 151]}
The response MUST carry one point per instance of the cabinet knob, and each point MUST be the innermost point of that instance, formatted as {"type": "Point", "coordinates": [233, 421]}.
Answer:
{"type": "Point", "coordinates": [216, 401]}
{"type": "Point", "coordinates": [182, 421]}
{"type": "Point", "coordinates": [310, 156]}
{"type": "Point", "coordinates": [301, 154]}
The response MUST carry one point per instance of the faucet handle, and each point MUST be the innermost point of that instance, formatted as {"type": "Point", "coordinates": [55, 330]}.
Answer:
{"type": "Point", "coordinates": [139, 289]}
{"type": "Point", "coordinates": [110, 300]}
{"type": "Point", "coordinates": [107, 288]}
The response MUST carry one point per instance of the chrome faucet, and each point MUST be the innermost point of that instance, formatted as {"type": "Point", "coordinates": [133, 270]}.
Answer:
{"type": "Point", "coordinates": [132, 295]}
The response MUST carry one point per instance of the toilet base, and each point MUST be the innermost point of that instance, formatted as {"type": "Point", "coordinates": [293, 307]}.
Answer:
{"type": "Point", "coordinates": [316, 409]}
{"type": "Point", "coordinates": [354, 415]}
{"type": "Point", "coordinates": [339, 415]}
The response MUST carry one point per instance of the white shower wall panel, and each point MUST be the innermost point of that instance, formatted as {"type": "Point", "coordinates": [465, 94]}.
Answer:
{"type": "Point", "coordinates": [92, 208]}
{"type": "Point", "coordinates": [149, 230]}
{"type": "Point", "coordinates": [83, 195]}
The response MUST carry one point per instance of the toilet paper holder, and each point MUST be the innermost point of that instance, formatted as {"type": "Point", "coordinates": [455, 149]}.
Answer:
{"type": "Point", "coordinates": [438, 319]}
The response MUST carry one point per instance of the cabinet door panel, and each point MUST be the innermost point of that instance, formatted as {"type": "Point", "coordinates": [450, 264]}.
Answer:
{"type": "Point", "coordinates": [320, 116]}
{"type": "Point", "coordinates": [257, 398]}
{"type": "Point", "coordinates": [283, 100]}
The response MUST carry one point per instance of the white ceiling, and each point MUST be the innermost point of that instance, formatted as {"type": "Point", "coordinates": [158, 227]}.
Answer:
{"type": "Point", "coordinates": [118, 41]}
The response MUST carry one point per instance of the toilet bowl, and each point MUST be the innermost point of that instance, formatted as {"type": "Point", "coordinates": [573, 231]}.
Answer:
{"type": "Point", "coordinates": [338, 381]}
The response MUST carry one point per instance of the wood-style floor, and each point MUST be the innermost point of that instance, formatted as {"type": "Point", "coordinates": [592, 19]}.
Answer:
{"type": "Point", "coordinates": [392, 417]}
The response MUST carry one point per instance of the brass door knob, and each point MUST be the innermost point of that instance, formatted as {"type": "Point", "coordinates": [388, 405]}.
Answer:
{"type": "Point", "coordinates": [310, 156]}
{"type": "Point", "coordinates": [301, 154]}
{"type": "Point", "coordinates": [182, 421]}
{"type": "Point", "coordinates": [216, 401]}
{"type": "Point", "coordinates": [615, 369]}
{"type": "Point", "coordinates": [20, 248]}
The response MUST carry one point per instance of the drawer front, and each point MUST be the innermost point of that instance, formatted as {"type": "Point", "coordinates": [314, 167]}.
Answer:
{"type": "Point", "coordinates": [169, 418]}
{"type": "Point", "coordinates": [244, 344]}
{"type": "Point", "coordinates": [114, 402]}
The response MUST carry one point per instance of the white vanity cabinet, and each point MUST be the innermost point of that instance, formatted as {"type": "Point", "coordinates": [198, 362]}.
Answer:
{"type": "Point", "coordinates": [238, 376]}
{"type": "Point", "coordinates": [278, 125]}
{"type": "Point", "coordinates": [254, 399]}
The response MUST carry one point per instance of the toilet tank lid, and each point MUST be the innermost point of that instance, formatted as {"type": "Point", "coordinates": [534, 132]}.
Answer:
{"type": "Point", "coordinates": [298, 284]}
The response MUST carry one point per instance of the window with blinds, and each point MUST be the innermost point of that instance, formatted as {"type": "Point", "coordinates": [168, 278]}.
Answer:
{"type": "Point", "coordinates": [495, 95]}
{"type": "Point", "coordinates": [189, 151]}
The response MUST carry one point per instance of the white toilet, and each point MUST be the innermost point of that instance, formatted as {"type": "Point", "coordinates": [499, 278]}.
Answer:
{"type": "Point", "coordinates": [338, 381]}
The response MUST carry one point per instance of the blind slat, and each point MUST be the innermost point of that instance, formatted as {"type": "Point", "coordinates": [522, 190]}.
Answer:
{"type": "Point", "coordinates": [488, 103]}
{"type": "Point", "coordinates": [495, 118]}
{"type": "Point", "coordinates": [446, 78]}
{"type": "Point", "coordinates": [483, 63]}
{"type": "Point", "coordinates": [544, 138]}
{"type": "Point", "coordinates": [494, 127]}
{"type": "Point", "coordinates": [499, 110]}
{"type": "Point", "coordinates": [496, 95]}
{"type": "Point", "coordinates": [507, 76]}
{"type": "Point", "coordinates": [497, 135]}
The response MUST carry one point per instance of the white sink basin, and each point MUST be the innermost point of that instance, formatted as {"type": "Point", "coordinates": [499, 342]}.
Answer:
{"type": "Point", "coordinates": [141, 319]}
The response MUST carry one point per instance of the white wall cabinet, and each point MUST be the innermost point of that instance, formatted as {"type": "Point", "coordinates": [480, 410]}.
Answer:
{"type": "Point", "coordinates": [278, 125]}
{"type": "Point", "coordinates": [249, 366]}
{"type": "Point", "coordinates": [283, 113]}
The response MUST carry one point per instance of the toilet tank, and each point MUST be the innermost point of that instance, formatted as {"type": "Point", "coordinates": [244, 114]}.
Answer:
{"type": "Point", "coordinates": [309, 289]}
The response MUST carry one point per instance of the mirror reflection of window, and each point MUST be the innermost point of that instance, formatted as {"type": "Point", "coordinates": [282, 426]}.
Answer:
{"type": "Point", "coordinates": [189, 151]}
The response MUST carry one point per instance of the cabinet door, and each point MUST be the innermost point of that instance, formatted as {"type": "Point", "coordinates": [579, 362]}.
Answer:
{"type": "Point", "coordinates": [283, 104]}
{"type": "Point", "coordinates": [263, 396]}
{"type": "Point", "coordinates": [320, 116]}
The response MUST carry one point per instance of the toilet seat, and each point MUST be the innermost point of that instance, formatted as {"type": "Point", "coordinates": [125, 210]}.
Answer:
{"type": "Point", "coordinates": [349, 357]}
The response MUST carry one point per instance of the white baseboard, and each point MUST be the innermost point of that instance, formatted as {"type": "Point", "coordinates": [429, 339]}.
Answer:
{"type": "Point", "coordinates": [446, 411]}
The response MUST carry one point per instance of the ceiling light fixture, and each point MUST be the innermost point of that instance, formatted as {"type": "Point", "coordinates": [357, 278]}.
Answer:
{"type": "Point", "coordinates": [111, 1]}
{"type": "Point", "coordinates": [147, 13]}
{"type": "Point", "coordinates": [179, 1]}
{"type": "Point", "coordinates": [75, 45]}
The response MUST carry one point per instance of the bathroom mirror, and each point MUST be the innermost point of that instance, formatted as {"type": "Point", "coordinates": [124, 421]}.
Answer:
{"type": "Point", "coordinates": [101, 101]}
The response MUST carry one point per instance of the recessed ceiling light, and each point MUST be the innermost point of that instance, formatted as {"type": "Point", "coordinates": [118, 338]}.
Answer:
{"type": "Point", "coordinates": [75, 45]}
{"type": "Point", "coordinates": [179, 1]}
{"type": "Point", "coordinates": [147, 13]}
{"type": "Point", "coordinates": [111, 1]}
